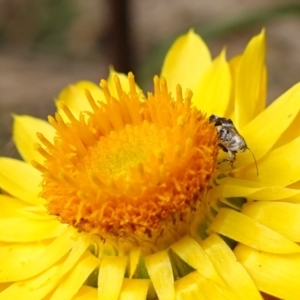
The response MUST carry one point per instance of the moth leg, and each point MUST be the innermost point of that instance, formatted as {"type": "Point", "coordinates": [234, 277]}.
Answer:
{"type": "Point", "coordinates": [231, 158]}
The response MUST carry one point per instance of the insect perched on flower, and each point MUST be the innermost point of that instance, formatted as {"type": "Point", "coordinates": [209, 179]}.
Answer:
{"type": "Point", "coordinates": [229, 139]}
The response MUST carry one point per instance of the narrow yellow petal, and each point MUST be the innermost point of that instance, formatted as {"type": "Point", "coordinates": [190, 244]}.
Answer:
{"type": "Point", "coordinates": [249, 80]}
{"type": "Point", "coordinates": [160, 271]}
{"type": "Point", "coordinates": [243, 229]}
{"type": "Point", "coordinates": [74, 96]}
{"type": "Point", "coordinates": [234, 187]}
{"type": "Point", "coordinates": [191, 252]}
{"type": "Point", "coordinates": [76, 253]}
{"type": "Point", "coordinates": [273, 167]}
{"type": "Point", "coordinates": [290, 134]}
{"type": "Point", "coordinates": [262, 97]}
{"type": "Point", "coordinates": [46, 256]}
{"type": "Point", "coordinates": [274, 274]}
{"type": "Point", "coordinates": [235, 276]}
{"type": "Point", "coordinates": [134, 258]}
{"type": "Point", "coordinates": [186, 62]}
{"type": "Point", "coordinates": [123, 81]}
{"type": "Point", "coordinates": [75, 279]}
{"type": "Point", "coordinates": [282, 217]}
{"type": "Point", "coordinates": [86, 293]}
{"type": "Point", "coordinates": [24, 136]}
{"type": "Point", "coordinates": [234, 65]}
{"type": "Point", "coordinates": [135, 289]}
{"type": "Point", "coordinates": [207, 97]}
{"type": "Point", "coordinates": [28, 230]}
{"type": "Point", "coordinates": [195, 286]}
{"type": "Point", "coordinates": [284, 110]}
{"type": "Point", "coordinates": [31, 289]}
{"type": "Point", "coordinates": [20, 180]}
{"type": "Point", "coordinates": [111, 276]}
{"type": "Point", "coordinates": [11, 207]}
{"type": "Point", "coordinates": [190, 287]}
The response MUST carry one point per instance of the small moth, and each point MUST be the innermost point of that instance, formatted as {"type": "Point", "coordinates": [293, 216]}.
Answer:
{"type": "Point", "coordinates": [229, 139]}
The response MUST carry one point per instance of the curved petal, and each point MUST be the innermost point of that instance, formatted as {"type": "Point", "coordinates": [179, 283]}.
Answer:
{"type": "Point", "coordinates": [46, 255]}
{"type": "Point", "coordinates": [190, 252]}
{"type": "Point", "coordinates": [290, 134]}
{"type": "Point", "coordinates": [20, 180]}
{"type": "Point", "coordinates": [212, 93]}
{"type": "Point", "coordinates": [74, 96]}
{"type": "Point", "coordinates": [234, 275]}
{"type": "Point", "coordinates": [245, 230]}
{"type": "Point", "coordinates": [274, 274]}
{"type": "Point", "coordinates": [273, 167]}
{"type": "Point", "coordinates": [11, 207]}
{"type": "Point", "coordinates": [196, 286]}
{"type": "Point", "coordinates": [248, 95]}
{"type": "Point", "coordinates": [134, 289]}
{"type": "Point", "coordinates": [160, 271]}
{"type": "Point", "coordinates": [76, 277]}
{"type": "Point", "coordinates": [186, 62]}
{"type": "Point", "coordinates": [234, 65]}
{"type": "Point", "coordinates": [233, 187]}
{"type": "Point", "coordinates": [24, 136]}
{"type": "Point", "coordinates": [282, 217]}
{"type": "Point", "coordinates": [112, 269]}
{"type": "Point", "coordinates": [261, 134]}
{"type": "Point", "coordinates": [29, 230]}
{"type": "Point", "coordinates": [123, 81]}
{"type": "Point", "coordinates": [35, 288]}
{"type": "Point", "coordinates": [86, 292]}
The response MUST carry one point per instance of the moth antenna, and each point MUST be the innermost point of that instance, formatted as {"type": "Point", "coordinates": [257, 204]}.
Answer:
{"type": "Point", "coordinates": [254, 161]}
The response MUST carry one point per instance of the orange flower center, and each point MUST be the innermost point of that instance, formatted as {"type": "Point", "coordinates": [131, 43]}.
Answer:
{"type": "Point", "coordinates": [134, 169]}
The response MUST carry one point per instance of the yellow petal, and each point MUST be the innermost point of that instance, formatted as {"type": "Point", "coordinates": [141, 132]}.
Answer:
{"type": "Point", "coordinates": [86, 293]}
{"type": "Point", "coordinates": [282, 217]}
{"type": "Point", "coordinates": [234, 187]}
{"type": "Point", "coordinates": [20, 180]}
{"type": "Point", "coordinates": [74, 96]}
{"type": "Point", "coordinates": [75, 279]}
{"type": "Point", "coordinates": [274, 274]}
{"type": "Point", "coordinates": [76, 253]}
{"type": "Point", "coordinates": [24, 230]}
{"type": "Point", "coordinates": [273, 167]}
{"type": "Point", "coordinates": [290, 134]}
{"type": "Point", "coordinates": [123, 80]}
{"type": "Point", "coordinates": [11, 207]}
{"type": "Point", "coordinates": [134, 258]}
{"type": "Point", "coordinates": [282, 111]}
{"type": "Point", "coordinates": [186, 62]}
{"type": "Point", "coordinates": [243, 229]}
{"type": "Point", "coordinates": [249, 81]}
{"type": "Point", "coordinates": [235, 276]}
{"type": "Point", "coordinates": [207, 97]}
{"type": "Point", "coordinates": [13, 261]}
{"type": "Point", "coordinates": [111, 276]}
{"type": "Point", "coordinates": [262, 97]}
{"type": "Point", "coordinates": [24, 136]}
{"type": "Point", "coordinates": [160, 271]}
{"type": "Point", "coordinates": [31, 289]}
{"type": "Point", "coordinates": [191, 252]}
{"type": "Point", "coordinates": [135, 289]}
{"type": "Point", "coordinates": [195, 286]}
{"type": "Point", "coordinates": [234, 65]}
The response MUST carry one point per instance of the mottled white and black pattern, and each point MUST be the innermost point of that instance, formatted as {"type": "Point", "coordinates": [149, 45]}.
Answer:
{"type": "Point", "coordinates": [229, 139]}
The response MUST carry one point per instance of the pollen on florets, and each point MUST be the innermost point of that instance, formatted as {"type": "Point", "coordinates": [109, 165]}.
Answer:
{"type": "Point", "coordinates": [133, 168]}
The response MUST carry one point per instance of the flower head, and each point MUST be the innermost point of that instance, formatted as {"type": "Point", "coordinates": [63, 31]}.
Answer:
{"type": "Point", "coordinates": [112, 172]}
{"type": "Point", "coordinates": [128, 197]}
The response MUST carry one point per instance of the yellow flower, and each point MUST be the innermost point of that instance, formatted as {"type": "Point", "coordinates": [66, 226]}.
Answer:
{"type": "Point", "coordinates": [126, 199]}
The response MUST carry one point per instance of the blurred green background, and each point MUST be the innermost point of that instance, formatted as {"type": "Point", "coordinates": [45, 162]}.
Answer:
{"type": "Point", "coordinates": [48, 44]}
